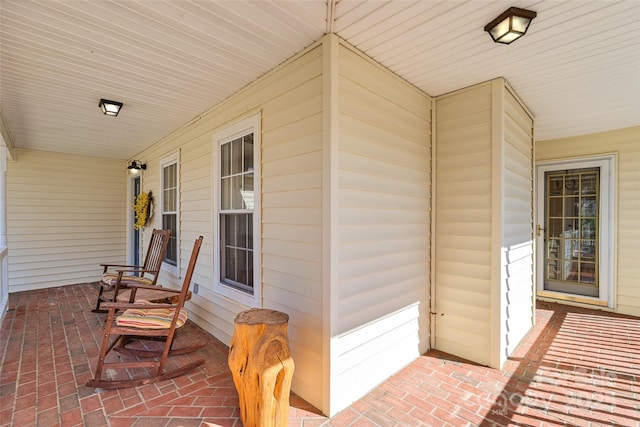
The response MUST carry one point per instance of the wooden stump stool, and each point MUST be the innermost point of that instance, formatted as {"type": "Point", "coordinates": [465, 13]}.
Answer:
{"type": "Point", "coordinates": [262, 367]}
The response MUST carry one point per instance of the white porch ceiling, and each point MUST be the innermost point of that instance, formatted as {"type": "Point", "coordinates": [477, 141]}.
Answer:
{"type": "Point", "coordinates": [577, 69]}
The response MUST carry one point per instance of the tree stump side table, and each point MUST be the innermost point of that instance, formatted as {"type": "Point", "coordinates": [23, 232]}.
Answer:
{"type": "Point", "coordinates": [262, 367]}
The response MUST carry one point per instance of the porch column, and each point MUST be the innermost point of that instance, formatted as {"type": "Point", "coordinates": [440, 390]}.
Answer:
{"type": "Point", "coordinates": [4, 260]}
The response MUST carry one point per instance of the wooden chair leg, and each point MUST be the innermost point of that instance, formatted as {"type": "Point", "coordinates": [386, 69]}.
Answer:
{"type": "Point", "coordinates": [97, 309]}
{"type": "Point", "coordinates": [105, 348]}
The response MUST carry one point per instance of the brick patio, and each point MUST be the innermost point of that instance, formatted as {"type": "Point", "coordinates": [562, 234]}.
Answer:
{"type": "Point", "coordinates": [578, 367]}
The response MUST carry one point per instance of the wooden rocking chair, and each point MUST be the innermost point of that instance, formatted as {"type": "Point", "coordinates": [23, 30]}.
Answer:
{"type": "Point", "coordinates": [145, 320]}
{"type": "Point", "coordinates": [112, 281]}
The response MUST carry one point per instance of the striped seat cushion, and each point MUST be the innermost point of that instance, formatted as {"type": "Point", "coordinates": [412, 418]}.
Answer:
{"type": "Point", "coordinates": [111, 279]}
{"type": "Point", "coordinates": [150, 318]}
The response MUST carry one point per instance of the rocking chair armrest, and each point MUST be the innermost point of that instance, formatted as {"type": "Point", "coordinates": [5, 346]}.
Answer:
{"type": "Point", "coordinates": [120, 265]}
{"type": "Point", "coordinates": [154, 288]}
{"type": "Point", "coordinates": [106, 266]}
{"type": "Point", "coordinates": [126, 305]}
{"type": "Point", "coordinates": [135, 270]}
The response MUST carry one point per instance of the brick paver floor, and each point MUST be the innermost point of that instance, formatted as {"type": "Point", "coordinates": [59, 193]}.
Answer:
{"type": "Point", "coordinates": [577, 367]}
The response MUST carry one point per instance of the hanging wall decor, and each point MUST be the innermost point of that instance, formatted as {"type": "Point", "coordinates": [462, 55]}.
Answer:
{"type": "Point", "coordinates": [142, 209]}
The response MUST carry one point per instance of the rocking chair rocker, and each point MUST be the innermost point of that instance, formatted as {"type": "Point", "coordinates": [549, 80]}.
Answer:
{"type": "Point", "coordinates": [145, 320]}
{"type": "Point", "coordinates": [126, 275]}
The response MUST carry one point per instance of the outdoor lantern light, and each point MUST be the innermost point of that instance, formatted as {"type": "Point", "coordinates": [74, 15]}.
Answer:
{"type": "Point", "coordinates": [136, 165]}
{"type": "Point", "coordinates": [510, 25]}
{"type": "Point", "coordinates": [110, 108]}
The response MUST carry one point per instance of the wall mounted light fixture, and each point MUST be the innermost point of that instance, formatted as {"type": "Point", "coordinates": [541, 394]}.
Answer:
{"type": "Point", "coordinates": [510, 25]}
{"type": "Point", "coordinates": [110, 108]}
{"type": "Point", "coordinates": [136, 165]}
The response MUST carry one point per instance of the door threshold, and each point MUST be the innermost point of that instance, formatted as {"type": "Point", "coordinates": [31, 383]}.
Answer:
{"type": "Point", "coordinates": [573, 298]}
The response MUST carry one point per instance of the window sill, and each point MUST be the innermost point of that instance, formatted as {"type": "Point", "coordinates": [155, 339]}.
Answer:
{"type": "Point", "coordinates": [236, 295]}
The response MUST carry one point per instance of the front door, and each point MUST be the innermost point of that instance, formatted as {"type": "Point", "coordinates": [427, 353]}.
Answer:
{"type": "Point", "coordinates": [574, 231]}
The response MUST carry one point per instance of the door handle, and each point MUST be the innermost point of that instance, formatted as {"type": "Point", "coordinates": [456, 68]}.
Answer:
{"type": "Point", "coordinates": [539, 229]}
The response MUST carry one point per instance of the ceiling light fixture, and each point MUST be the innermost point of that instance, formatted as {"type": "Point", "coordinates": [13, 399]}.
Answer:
{"type": "Point", "coordinates": [510, 25]}
{"type": "Point", "coordinates": [110, 108]}
{"type": "Point", "coordinates": [136, 165]}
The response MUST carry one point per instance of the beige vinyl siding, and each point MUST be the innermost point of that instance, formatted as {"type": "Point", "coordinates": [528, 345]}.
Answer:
{"type": "Point", "coordinates": [626, 144]}
{"type": "Point", "coordinates": [382, 293]}
{"type": "Point", "coordinates": [517, 265]}
{"type": "Point", "coordinates": [463, 223]}
{"type": "Point", "coordinates": [196, 207]}
{"type": "Point", "coordinates": [292, 218]}
{"type": "Point", "coordinates": [289, 102]}
{"type": "Point", "coordinates": [66, 214]}
{"type": "Point", "coordinates": [484, 223]}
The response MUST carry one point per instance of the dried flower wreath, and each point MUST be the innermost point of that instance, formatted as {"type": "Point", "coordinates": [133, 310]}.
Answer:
{"type": "Point", "coordinates": [142, 208]}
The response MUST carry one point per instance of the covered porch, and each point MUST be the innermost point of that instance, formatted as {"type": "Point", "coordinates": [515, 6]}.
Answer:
{"type": "Point", "coordinates": [390, 182]}
{"type": "Point", "coordinates": [576, 367]}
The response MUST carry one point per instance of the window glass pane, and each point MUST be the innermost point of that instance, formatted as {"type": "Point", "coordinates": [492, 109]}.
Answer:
{"type": "Point", "coordinates": [250, 268]}
{"type": "Point", "coordinates": [587, 250]}
{"type": "Point", "coordinates": [237, 234]}
{"type": "Point", "coordinates": [589, 206]}
{"type": "Point", "coordinates": [225, 159]}
{"type": "Point", "coordinates": [570, 272]}
{"type": "Point", "coordinates": [241, 231]}
{"type": "Point", "coordinates": [169, 223]}
{"type": "Point", "coordinates": [554, 249]}
{"type": "Point", "coordinates": [552, 269]}
{"type": "Point", "coordinates": [229, 229]}
{"type": "Point", "coordinates": [574, 250]}
{"type": "Point", "coordinates": [236, 156]}
{"type": "Point", "coordinates": [589, 183]}
{"type": "Point", "coordinates": [174, 199]}
{"type": "Point", "coordinates": [588, 273]}
{"type": "Point", "coordinates": [248, 153]}
{"type": "Point", "coordinates": [555, 207]}
{"type": "Point", "coordinates": [250, 231]}
{"type": "Point", "coordinates": [247, 192]}
{"type": "Point", "coordinates": [170, 176]}
{"type": "Point", "coordinates": [173, 175]}
{"type": "Point", "coordinates": [571, 206]}
{"type": "Point", "coordinates": [165, 200]}
{"type": "Point", "coordinates": [241, 268]}
{"type": "Point", "coordinates": [555, 186]}
{"type": "Point", "coordinates": [236, 192]}
{"type": "Point", "coordinates": [555, 227]}
{"type": "Point", "coordinates": [170, 196]}
{"type": "Point", "coordinates": [225, 194]}
{"type": "Point", "coordinates": [588, 229]}
{"type": "Point", "coordinates": [229, 272]}
{"type": "Point", "coordinates": [165, 177]}
{"type": "Point", "coordinates": [570, 228]}
{"type": "Point", "coordinates": [571, 184]}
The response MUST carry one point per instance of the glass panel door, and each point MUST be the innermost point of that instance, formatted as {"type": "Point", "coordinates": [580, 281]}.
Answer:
{"type": "Point", "coordinates": [571, 221]}
{"type": "Point", "coordinates": [136, 256]}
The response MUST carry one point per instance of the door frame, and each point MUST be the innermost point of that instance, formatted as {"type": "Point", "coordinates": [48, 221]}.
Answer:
{"type": "Point", "coordinates": [134, 236]}
{"type": "Point", "coordinates": [607, 235]}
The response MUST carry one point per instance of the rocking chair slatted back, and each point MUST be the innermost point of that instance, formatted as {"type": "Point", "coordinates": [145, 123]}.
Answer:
{"type": "Point", "coordinates": [156, 252]}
